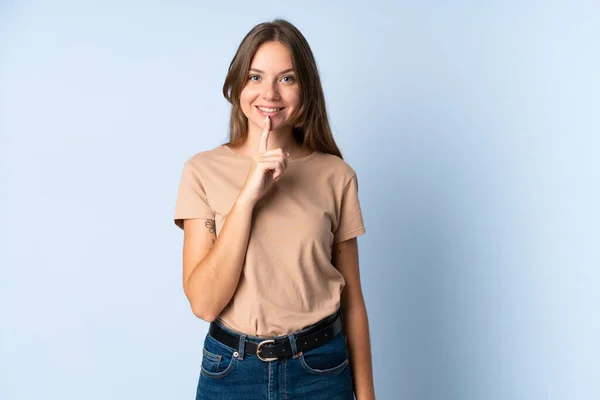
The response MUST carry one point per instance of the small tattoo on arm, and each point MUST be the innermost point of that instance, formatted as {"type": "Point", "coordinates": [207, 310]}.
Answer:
{"type": "Point", "coordinates": [210, 224]}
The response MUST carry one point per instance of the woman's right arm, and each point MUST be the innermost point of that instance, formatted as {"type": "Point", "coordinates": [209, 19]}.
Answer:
{"type": "Point", "coordinates": [212, 265]}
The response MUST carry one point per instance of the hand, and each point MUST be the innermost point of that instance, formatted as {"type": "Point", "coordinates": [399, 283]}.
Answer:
{"type": "Point", "coordinates": [266, 169]}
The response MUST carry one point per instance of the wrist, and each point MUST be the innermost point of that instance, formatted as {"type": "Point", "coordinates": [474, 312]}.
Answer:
{"type": "Point", "coordinates": [370, 396]}
{"type": "Point", "coordinates": [366, 394]}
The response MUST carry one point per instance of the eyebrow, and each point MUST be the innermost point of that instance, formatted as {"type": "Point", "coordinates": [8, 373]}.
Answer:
{"type": "Point", "coordinates": [282, 72]}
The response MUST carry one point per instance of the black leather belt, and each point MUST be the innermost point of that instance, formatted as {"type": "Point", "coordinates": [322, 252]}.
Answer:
{"type": "Point", "coordinates": [272, 349]}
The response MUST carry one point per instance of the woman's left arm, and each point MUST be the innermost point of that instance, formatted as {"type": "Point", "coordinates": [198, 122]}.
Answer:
{"type": "Point", "coordinates": [345, 260]}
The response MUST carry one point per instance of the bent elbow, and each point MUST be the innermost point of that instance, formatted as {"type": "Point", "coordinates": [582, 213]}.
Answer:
{"type": "Point", "coordinates": [202, 314]}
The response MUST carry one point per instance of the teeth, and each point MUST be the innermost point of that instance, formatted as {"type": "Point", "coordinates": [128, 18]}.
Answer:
{"type": "Point", "coordinates": [269, 109]}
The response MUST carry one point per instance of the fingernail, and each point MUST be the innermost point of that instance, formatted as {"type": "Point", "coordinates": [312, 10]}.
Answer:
{"type": "Point", "coordinates": [266, 119]}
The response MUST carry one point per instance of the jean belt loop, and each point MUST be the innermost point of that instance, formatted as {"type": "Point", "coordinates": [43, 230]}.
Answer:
{"type": "Point", "coordinates": [292, 339]}
{"type": "Point", "coordinates": [242, 347]}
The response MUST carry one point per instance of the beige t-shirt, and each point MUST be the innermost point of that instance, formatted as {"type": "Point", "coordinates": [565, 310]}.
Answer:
{"type": "Point", "coordinates": [288, 281]}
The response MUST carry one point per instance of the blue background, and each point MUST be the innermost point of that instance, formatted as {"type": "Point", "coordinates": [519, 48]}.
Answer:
{"type": "Point", "coordinates": [473, 127]}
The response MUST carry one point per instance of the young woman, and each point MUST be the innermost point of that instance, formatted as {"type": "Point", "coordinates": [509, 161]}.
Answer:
{"type": "Point", "coordinates": [270, 221]}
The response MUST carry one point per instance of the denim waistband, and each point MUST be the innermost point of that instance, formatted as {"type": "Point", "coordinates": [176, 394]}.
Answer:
{"type": "Point", "coordinates": [259, 339]}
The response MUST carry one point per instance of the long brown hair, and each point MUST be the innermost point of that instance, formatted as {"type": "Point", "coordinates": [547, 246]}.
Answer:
{"type": "Point", "coordinates": [310, 125]}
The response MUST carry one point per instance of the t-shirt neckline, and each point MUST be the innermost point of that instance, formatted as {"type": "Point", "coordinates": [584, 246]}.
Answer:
{"type": "Point", "coordinates": [292, 161]}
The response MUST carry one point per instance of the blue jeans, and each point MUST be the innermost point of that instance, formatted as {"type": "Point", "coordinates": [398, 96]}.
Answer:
{"type": "Point", "coordinates": [322, 373]}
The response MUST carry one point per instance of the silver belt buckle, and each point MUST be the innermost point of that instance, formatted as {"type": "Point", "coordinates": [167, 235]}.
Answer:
{"type": "Point", "coordinates": [258, 350]}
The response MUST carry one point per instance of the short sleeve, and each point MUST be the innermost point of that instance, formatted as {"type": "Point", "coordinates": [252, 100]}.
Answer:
{"type": "Point", "coordinates": [351, 221]}
{"type": "Point", "coordinates": [191, 197]}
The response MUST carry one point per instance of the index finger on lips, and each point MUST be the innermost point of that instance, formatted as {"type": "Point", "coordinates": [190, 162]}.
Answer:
{"type": "Point", "coordinates": [264, 138]}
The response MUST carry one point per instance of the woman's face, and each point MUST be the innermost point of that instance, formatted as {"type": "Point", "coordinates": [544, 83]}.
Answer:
{"type": "Point", "coordinates": [272, 88]}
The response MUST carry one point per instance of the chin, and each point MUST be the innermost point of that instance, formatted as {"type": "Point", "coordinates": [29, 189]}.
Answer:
{"type": "Point", "coordinates": [275, 125]}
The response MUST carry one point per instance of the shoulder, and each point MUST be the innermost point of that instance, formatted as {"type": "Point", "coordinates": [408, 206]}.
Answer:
{"type": "Point", "coordinates": [216, 163]}
{"type": "Point", "coordinates": [196, 165]}
{"type": "Point", "coordinates": [337, 167]}
{"type": "Point", "coordinates": [212, 159]}
{"type": "Point", "coordinates": [206, 156]}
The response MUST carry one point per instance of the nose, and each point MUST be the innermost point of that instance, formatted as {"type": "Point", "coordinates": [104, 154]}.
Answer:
{"type": "Point", "coordinates": [270, 91]}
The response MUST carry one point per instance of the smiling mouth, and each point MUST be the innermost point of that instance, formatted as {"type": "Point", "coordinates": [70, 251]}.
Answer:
{"type": "Point", "coordinates": [269, 110]}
